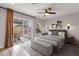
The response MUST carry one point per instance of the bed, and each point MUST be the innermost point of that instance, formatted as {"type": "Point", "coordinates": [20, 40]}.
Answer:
{"type": "Point", "coordinates": [56, 41]}
{"type": "Point", "coordinates": [54, 37]}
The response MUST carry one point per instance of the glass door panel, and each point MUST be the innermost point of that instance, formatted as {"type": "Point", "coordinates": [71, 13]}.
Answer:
{"type": "Point", "coordinates": [27, 30]}
{"type": "Point", "coordinates": [18, 30]}
{"type": "Point", "coordinates": [22, 31]}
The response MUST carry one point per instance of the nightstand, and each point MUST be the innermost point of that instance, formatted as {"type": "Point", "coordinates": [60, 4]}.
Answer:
{"type": "Point", "coordinates": [69, 40]}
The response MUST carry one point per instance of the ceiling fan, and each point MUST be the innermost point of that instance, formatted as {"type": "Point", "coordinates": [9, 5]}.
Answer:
{"type": "Point", "coordinates": [47, 12]}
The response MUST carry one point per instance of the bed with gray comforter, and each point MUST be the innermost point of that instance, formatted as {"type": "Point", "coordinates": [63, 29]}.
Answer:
{"type": "Point", "coordinates": [56, 41]}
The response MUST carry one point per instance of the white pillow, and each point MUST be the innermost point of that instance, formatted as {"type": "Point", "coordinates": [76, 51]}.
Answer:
{"type": "Point", "coordinates": [49, 33]}
{"type": "Point", "coordinates": [61, 33]}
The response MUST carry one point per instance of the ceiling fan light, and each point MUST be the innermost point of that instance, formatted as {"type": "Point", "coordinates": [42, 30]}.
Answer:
{"type": "Point", "coordinates": [46, 14]}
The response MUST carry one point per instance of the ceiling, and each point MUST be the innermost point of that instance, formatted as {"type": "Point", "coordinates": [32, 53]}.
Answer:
{"type": "Point", "coordinates": [33, 8]}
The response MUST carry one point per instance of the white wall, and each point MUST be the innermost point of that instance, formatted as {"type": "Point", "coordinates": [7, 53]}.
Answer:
{"type": "Point", "coordinates": [72, 19]}
{"type": "Point", "coordinates": [2, 26]}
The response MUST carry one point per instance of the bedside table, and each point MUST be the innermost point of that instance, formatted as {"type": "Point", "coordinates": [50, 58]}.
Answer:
{"type": "Point", "coordinates": [69, 40]}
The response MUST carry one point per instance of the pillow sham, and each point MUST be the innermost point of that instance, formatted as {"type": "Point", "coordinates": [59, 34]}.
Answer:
{"type": "Point", "coordinates": [61, 33]}
{"type": "Point", "coordinates": [49, 33]}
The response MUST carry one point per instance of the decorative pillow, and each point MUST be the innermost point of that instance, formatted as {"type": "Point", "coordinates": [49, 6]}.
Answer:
{"type": "Point", "coordinates": [49, 33]}
{"type": "Point", "coordinates": [61, 33]}
{"type": "Point", "coordinates": [54, 33]}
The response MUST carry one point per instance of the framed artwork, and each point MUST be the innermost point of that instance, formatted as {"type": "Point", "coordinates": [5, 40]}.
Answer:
{"type": "Point", "coordinates": [59, 24]}
{"type": "Point", "coordinates": [38, 29]}
{"type": "Point", "coordinates": [53, 25]}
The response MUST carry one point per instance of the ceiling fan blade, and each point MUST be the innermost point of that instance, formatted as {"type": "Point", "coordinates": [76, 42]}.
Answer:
{"type": "Point", "coordinates": [52, 12]}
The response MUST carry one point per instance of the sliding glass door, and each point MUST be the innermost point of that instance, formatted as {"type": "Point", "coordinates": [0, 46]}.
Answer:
{"type": "Point", "coordinates": [22, 31]}
{"type": "Point", "coordinates": [27, 30]}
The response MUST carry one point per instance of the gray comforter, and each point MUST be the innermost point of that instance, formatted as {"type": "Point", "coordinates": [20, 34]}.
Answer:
{"type": "Point", "coordinates": [56, 41]}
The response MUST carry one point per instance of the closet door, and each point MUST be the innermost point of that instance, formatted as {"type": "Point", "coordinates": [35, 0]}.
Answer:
{"type": "Point", "coordinates": [9, 29]}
